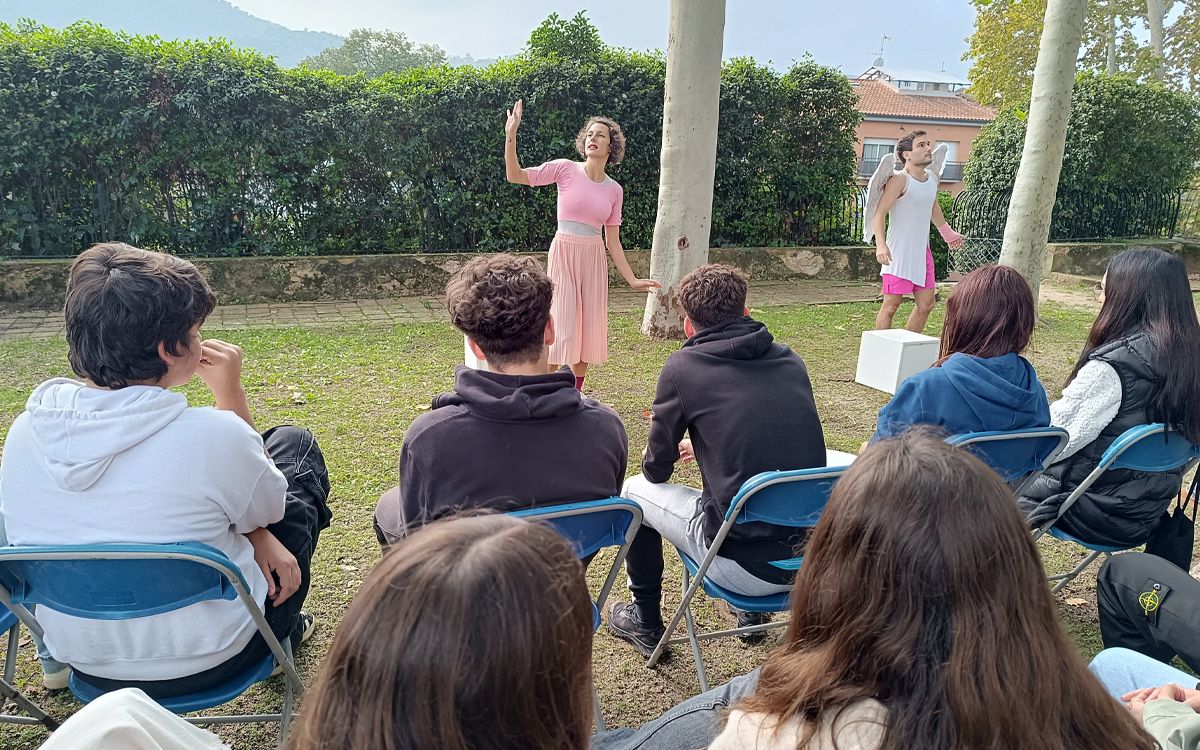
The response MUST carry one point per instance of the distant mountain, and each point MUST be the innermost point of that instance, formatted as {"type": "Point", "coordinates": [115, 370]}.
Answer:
{"type": "Point", "coordinates": [178, 19]}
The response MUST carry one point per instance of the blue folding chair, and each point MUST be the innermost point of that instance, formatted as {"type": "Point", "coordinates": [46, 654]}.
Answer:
{"type": "Point", "coordinates": [126, 581]}
{"type": "Point", "coordinates": [1015, 454]}
{"type": "Point", "coordinates": [793, 499]}
{"type": "Point", "coordinates": [590, 526]}
{"type": "Point", "coordinates": [8, 690]}
{"type": "Point", "coordinates": [1150, 448]}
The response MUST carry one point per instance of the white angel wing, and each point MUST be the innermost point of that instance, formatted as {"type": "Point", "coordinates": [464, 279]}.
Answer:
{"type": "Point", "coordinates": [883, 173]}
{"type": "Point", "coordinates": [939, 160]}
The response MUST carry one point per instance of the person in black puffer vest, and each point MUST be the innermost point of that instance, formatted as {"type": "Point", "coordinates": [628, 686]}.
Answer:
{"type": "Point", "coordinates": [1141, 364]}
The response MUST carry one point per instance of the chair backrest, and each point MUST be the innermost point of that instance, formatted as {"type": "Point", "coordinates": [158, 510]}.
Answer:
{"type": "Point", "coordinates": [118, 581]}
{"type": "Point", "coordinates": [1149, 448]}
{"type": "Point", "coordinates": [590, 525]}
{"type": "Point", "coordinates": [1014, 454]}
{"type": "Point", "coordinates": [784, 498]}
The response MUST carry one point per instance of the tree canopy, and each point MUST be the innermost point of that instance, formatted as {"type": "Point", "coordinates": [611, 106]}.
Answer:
{"type": "Point", "coordinates": [374, 53]}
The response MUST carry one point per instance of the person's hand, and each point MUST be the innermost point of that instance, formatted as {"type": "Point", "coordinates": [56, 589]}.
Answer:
{"type": "Point", "coordinates": [514, 119]}
{"type": "Point", "coordinates": [221, 368]}
{"type": "Point", "coordinates": [644, 285]}
{"type": "Point", "coordinates": [1170, 691]}
{"type": "Point", "coordinates": [953, 239]}
{"type": "Point", "coordinates": [883, 254]}
{"type": "Point", "coordinates": [273, 557]}
{"type": "Point", "coordinates": [686, 453]}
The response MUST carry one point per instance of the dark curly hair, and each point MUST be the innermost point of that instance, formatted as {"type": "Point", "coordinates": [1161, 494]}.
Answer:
{"type": "Point", "coordinates": [616, 139]}
{"type": "Point", "coordinates": [121, 302]}
{"type": "Point", "coordinates": [502, 302]}
{"type": "Point", "coordinates": [713, 294]}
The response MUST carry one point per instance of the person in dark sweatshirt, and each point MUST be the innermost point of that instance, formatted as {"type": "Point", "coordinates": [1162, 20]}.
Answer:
{"type": "Point", "coordinates": [981, 382]}
{"type": "Point", "coordinates": [746, 406]}
{"type": "Point", "coordinates": [512, 438]}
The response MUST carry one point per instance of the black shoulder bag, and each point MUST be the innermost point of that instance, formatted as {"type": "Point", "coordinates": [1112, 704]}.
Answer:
{"type": "Point", "coordinates": [1175, 534]}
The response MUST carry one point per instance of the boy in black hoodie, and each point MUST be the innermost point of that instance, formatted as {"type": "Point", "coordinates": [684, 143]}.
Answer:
{"type": "Point", "coordinates": [746, 405]}
{"type": "Point", "coordinates": [509, 439]}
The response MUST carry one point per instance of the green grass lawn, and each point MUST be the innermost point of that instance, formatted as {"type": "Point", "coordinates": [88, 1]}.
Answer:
{"type": "Point", "coordinates": [359, 388]}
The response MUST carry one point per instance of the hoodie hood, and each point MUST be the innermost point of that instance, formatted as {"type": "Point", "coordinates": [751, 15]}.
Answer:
{"type": "Point", "coordinates": [504, 398]}
{"type": "Point", "coordinates": [79, 429]}
{"type": "Point", "coordinates": [739, 338]}
{"type": "Point", "coordinates": [1001, 391]}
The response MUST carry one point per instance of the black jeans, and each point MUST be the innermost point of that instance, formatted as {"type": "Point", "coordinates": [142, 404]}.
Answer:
{"type": "Point", "coordinates": [306, 511]}
{"type": "Point", "coordinates": [1171, 628]}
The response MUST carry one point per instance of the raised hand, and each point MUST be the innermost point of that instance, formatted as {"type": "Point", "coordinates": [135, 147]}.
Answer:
{"type": "Point", "coordinates": [220, 367]}
{"type": "Point", "coordinates": [514, 119]}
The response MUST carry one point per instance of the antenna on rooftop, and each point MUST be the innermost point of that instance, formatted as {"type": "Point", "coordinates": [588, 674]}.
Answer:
{"type": "Point", "coordinates": [882, 43]}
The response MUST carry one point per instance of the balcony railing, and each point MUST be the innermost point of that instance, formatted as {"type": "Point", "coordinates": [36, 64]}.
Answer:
{"type": "Point", "coordinates": [951, 172]}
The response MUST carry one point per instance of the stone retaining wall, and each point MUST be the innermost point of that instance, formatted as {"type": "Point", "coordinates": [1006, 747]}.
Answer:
{"type": "Point", "coordinates": [41, 284]}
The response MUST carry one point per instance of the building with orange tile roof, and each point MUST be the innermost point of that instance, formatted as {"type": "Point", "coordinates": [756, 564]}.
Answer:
{"type": "Point", "coordinates": [894, 102]}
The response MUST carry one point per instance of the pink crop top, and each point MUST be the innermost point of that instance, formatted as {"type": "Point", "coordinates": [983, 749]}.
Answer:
{"type": "Point", "coordinates": [579, 199]}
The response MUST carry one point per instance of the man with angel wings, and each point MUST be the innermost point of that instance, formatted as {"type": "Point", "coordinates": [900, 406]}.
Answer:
{"type": "Point", "coordinates": [909, 195]}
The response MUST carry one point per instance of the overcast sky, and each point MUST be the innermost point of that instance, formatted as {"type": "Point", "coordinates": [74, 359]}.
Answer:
{"type": "Point", "coordinates": [927, 34]}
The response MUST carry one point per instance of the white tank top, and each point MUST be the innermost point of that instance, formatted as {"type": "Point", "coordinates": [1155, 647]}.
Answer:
{"type": "Point", "coordinates": [908, 228]}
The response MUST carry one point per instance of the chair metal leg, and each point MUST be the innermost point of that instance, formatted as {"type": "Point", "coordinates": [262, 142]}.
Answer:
{"type": "Point", "coordinates": [691, 631]}
{"type": "Point", "coordinates": [1065, 578]}
{"type": "Point", "coordinates": [596, 711]}
{"type": "Point", "coordinates": [39, 716]}
{"type": "Point", "coordinates": [689, 590]}
{"type": "Point", "coordinates": [10, 657]}
{"type": "Point", "coordinates": [285, 712]}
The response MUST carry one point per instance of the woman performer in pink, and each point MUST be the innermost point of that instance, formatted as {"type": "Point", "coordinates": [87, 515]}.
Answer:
{"type": "Point", "coordinates": [589, 203]}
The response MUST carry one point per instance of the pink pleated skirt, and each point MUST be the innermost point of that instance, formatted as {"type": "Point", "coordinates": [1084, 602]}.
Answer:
{"type": "Point", "coordinates": [579, 269]}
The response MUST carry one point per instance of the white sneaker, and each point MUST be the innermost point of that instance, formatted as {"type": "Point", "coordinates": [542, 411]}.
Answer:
{"type": "Point", "coordinates": [56, 679]}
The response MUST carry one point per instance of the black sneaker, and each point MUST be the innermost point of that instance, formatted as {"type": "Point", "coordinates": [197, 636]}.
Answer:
{"type": "Point", "coordinates": [747, 619]}
{"type": "Point", "coordinates": [623, 622]}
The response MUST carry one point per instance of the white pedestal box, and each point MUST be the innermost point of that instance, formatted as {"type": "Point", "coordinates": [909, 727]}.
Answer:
{"type": "Point", "coordinates": [469, 358]}
{"type": "Point", "coordinates": [886, 358]}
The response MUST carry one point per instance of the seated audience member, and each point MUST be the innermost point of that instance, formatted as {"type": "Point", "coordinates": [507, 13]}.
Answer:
{"type": "Point", "coordinates": [474, 633]}
{"type": "Point", "coordinates": [128, 719]}
{"type": "Point", "coordinates": [1148, 605]}
{"type": "Point", "coordinates": [980, 382]}
{"type": "Point", "coordinates": [904, 632]}
{"type": "Point", "coordinates": [119, 457]}
{"type": "Point", "coordinates": [895, 639]}
{"type": "Point", "coordinates": [1141, 364]}
{"type": "Point", "coordinates": [1163, 699]}
{"type": "Point", "coordinates": [746, 406]}
{"type": "Point", "coordinates": [512, 438]}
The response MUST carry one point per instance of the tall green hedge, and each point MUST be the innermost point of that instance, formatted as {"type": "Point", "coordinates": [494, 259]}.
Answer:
{"type": "Point", "coordinates": [199, 148]}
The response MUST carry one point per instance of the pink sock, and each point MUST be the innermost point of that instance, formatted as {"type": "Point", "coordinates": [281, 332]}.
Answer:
{"type": "Point", "coordinates": [578, 383]}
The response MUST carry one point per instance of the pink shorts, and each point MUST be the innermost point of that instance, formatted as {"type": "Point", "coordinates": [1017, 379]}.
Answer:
{"type": "Point", "coordinates": [896, 285]}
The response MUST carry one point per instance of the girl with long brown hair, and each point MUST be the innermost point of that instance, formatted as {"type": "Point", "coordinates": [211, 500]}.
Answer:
{"type": "Point", "coordinates": [921, 619]}
{"type": "Point", "coordinates": [980, 382]}
{"type": "Point", "coordinates": [471, 634]}
{"type": "Point", "coordinates": [1141, 364]}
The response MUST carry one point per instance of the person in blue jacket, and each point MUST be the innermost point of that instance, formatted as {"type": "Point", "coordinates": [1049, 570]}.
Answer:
{"type": "Point", "coordinates": [980, 382]}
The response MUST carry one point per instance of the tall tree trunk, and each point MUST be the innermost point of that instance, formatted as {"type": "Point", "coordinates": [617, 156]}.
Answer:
{"type": "Point", "coordinates": [1156, 11]}
{"type": "Point", "coordinates": [1028, 227]}
{"type": "Point", "coordinates": [689, 156]}
{"type": "Point", "coordinates": [1110, 64]}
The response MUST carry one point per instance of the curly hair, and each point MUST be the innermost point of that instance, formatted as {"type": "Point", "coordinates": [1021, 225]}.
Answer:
{"type": "Point", "coordinates": [123, 301]}
{"type": "Point", "coordinates": [502, 303]}
{"type": "Point", "coordinates": [616, 139]}
{"type": "Point", "coordinates": [713, 294]}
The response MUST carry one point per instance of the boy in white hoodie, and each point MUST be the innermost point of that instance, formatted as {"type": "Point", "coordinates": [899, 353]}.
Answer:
{"type": "Point", "coordinates": [119, 457]}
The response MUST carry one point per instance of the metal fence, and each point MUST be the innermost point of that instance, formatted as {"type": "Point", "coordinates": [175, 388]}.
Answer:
{"type": "Point", "coordinates": [981, 215]}
{"type": "Point", "coordinates": [1188, 225]}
